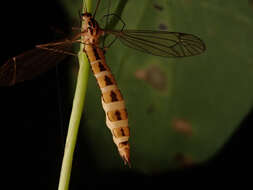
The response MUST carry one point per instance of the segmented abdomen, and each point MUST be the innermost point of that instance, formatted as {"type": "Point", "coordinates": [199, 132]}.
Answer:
{"type": "Point", "coordinates": [112, 101]}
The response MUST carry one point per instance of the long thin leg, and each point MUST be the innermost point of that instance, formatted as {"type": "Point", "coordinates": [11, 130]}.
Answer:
{"type": "Point", "coordinates": [106, 23]}
{"type": "Point", "coordinates": [108, 12]}
{"type": "Point", "coordinates": [115, 38]}
{"type": "Point", "coordinates": [98, 2]}
{"type": "Point", "coordinates": [113, 14]}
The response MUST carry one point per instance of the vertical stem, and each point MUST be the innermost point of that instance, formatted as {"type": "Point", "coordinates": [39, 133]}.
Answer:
{"type": "Point", "coordinates": [77, 109]}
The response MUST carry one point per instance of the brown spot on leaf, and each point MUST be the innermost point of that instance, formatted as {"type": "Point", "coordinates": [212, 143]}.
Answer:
{"type": "Point", "coordinates": [150, 109]}
{"type": "Point", "coordinates": [158, 7]}
{"type": "Point", "coordinates": [251, 4]}
{"type": "Point", "coordinates": [182, 126]}
{"type": "Point", "coordinates": [184, 161]}
{"type": "Point", "coordinates": [153, 76]}
{"type": "Point", "coordinates": [163, 26]}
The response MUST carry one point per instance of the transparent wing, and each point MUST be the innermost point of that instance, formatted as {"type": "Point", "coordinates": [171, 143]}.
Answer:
{"type": "Point", "coordinates": [161, 43]}
{"type": "Point", "coordinates": [31, 63]}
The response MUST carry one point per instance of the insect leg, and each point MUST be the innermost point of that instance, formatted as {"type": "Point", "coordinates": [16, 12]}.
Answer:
{"type": "Point", "coordinates": [106, 25]}
{"type": "Point", "coordinates": [116, 37]}
{"type": "Point", "coordinates": [98, 2]}
{"type": "Point", "coordinates": [118, 17]}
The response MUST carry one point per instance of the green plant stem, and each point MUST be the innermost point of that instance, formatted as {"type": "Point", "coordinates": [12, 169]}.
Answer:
{"type": "Point", "coordinates": [76, 114]}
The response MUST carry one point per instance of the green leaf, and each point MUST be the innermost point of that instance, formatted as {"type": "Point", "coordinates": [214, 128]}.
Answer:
{"type": "Point", "coordinates": [181, 111]}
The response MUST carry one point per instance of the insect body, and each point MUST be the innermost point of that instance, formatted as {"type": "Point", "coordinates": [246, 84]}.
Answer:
{"type": "Point", "coordinates": [112, 99]}
{"type": "Point", "coordinates": [160, 43]}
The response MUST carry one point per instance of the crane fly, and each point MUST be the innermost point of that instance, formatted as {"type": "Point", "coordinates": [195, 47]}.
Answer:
{"type": "Point", "coordinates": [160, 43]}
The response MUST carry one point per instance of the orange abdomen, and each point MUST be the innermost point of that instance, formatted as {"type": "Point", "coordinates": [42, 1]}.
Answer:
{"type": "Point", "coordinates": [112, 101]}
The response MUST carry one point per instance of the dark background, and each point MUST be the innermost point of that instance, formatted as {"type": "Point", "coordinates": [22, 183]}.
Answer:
{"type": "Point", "coordinates": [33, 127]}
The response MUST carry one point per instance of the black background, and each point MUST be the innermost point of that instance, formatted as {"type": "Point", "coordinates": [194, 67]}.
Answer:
{"type": "Point", "coordinates": [31, 130]}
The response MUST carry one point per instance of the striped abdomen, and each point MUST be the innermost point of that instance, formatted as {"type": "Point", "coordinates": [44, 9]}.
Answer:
{"type": "Point", "coordinates": [112, 101]}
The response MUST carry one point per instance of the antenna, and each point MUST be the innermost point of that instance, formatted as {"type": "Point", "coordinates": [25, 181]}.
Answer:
{"type": "Point", "coordinates": [96, 8]}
